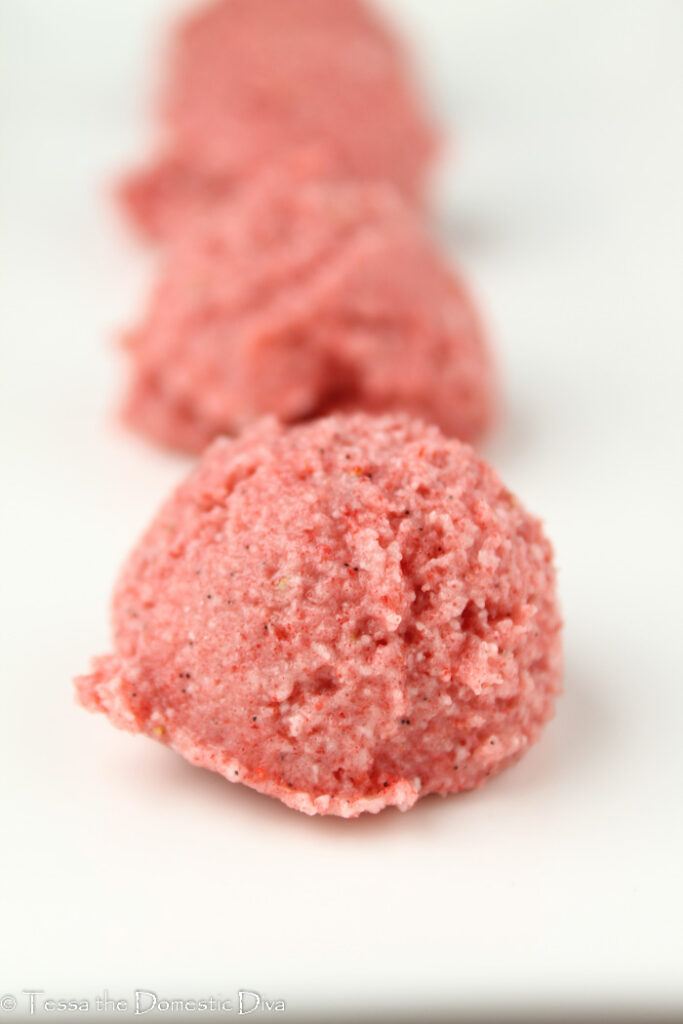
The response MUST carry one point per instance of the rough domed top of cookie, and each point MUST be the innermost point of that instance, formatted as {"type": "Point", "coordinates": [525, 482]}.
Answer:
{"type": "Point", "coordinates": [346, 615]}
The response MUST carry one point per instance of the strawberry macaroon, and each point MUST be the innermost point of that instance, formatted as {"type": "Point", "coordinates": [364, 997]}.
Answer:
{"type": "Point", "coordinates": [300, 298]}
{"type": "Point", "coordinates": [250, 82]}
{"type": "Point", "coordinates": [346, 615]}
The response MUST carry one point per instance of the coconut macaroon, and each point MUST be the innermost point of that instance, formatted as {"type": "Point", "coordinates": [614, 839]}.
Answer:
{"type": "Point", "coordinates": [300, 300]}
{"type": "Point", "coordinates": [251, 81]}
{"type": "Point", "coordinates": [347, 615]}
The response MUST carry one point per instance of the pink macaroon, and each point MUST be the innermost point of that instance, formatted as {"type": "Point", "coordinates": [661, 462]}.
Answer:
{"type": "Point", "coordinates": [301, 298]}
{"type": "Point", "coordinates": [249, 82]}
{"type": "Point", "coordinates": [346, 615]}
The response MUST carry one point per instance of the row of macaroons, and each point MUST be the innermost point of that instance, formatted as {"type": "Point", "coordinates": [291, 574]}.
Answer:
{"type": "Point", "coordinates": [297, 277]}
{"type": "Point", "coordinates": [342, 606]}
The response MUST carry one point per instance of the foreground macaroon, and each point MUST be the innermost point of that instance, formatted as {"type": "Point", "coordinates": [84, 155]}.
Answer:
{"type": "Point", "coordinates": [346, 615]}
{"type": "Point", "coordinates": [302, 298]}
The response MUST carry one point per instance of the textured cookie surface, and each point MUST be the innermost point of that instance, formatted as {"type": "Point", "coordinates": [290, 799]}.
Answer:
{"type": "Point", "coordinates": [300, 300]}
{"type": "Point", "coordinates": [345, 615]}
{"type": "Point", "coordinates": [251, 81]}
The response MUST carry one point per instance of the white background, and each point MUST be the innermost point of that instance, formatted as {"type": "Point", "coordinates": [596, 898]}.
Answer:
{"type": "Point", "coordinates": [558, 885]}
